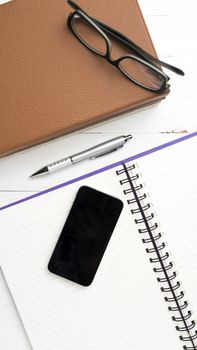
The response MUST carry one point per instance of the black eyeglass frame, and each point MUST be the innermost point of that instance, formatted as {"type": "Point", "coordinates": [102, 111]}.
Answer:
{"type": "Point", "coordinates": [124, 40]}
{"type": "Point", "coordinates": [107, 55]}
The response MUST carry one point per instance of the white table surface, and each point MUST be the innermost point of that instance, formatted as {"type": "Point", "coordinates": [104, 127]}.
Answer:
{"type": "Point", "coordinates": [172, 25]}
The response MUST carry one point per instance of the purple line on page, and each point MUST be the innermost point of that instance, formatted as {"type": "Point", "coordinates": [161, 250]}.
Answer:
{"type": "Point", "coordinates": [101, 170]}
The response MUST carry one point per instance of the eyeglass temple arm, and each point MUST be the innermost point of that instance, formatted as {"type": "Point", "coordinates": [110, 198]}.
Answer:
{"type": "Point", "coordinates": [136, 48]}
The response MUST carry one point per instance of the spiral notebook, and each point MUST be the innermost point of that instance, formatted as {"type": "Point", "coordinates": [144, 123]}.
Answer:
{"type": "Point", "coordinates": [144, 293]}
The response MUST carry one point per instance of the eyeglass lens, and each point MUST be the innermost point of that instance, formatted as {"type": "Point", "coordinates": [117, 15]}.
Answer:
{"type": "Point", "coordinates": [141, 73]}
{"type": "Point", "coordinates": [89, 35]}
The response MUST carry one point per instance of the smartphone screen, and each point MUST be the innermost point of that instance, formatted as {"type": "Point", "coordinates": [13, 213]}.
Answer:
{"type": "Point", "coordinates": [85, 235]}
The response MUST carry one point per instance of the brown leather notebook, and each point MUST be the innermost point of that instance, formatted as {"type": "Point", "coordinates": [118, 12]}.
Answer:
{"type": "Point", "coordinates": [51, 84]}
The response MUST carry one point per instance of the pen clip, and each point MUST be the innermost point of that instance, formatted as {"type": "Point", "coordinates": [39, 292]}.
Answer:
{"type": "Point", "coordinates": [105, 153]}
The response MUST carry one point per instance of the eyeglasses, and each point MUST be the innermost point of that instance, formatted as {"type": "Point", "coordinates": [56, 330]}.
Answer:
{"type": "Point", "coordinates": [139, 67]}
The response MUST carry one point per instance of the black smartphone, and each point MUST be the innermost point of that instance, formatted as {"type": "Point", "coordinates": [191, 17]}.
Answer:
{"type": "Point", "coordinates": [85, 235]}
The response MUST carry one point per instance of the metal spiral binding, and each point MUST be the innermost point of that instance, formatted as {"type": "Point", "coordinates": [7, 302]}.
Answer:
{"type": "Point", "coordinates": [147, 227]}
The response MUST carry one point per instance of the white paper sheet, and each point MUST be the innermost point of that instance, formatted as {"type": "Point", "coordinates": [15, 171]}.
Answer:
{"type": "Point", "coordinates": [124, 307]}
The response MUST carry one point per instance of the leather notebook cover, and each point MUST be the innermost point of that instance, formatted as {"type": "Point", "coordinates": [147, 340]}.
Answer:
{"type": "Point", "coordinates": [51, 84]}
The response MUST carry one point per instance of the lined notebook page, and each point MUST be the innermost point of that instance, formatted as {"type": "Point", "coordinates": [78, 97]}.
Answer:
{"type": "Point", "coordinates": [123, 308]}
{"type": "Point", "coordinates": [170, 177]}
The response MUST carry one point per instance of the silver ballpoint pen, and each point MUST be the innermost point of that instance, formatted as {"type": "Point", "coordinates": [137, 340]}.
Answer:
{"type": "Point", "coordinates": [91, 153]}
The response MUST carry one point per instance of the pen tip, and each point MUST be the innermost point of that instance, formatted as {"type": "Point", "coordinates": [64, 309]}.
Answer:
{"type": "Point", "coordinates": [40, 172]}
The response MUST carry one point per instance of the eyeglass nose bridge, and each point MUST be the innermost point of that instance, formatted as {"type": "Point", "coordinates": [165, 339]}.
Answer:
{"type": "Point", "coordinates": [109, 59]}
